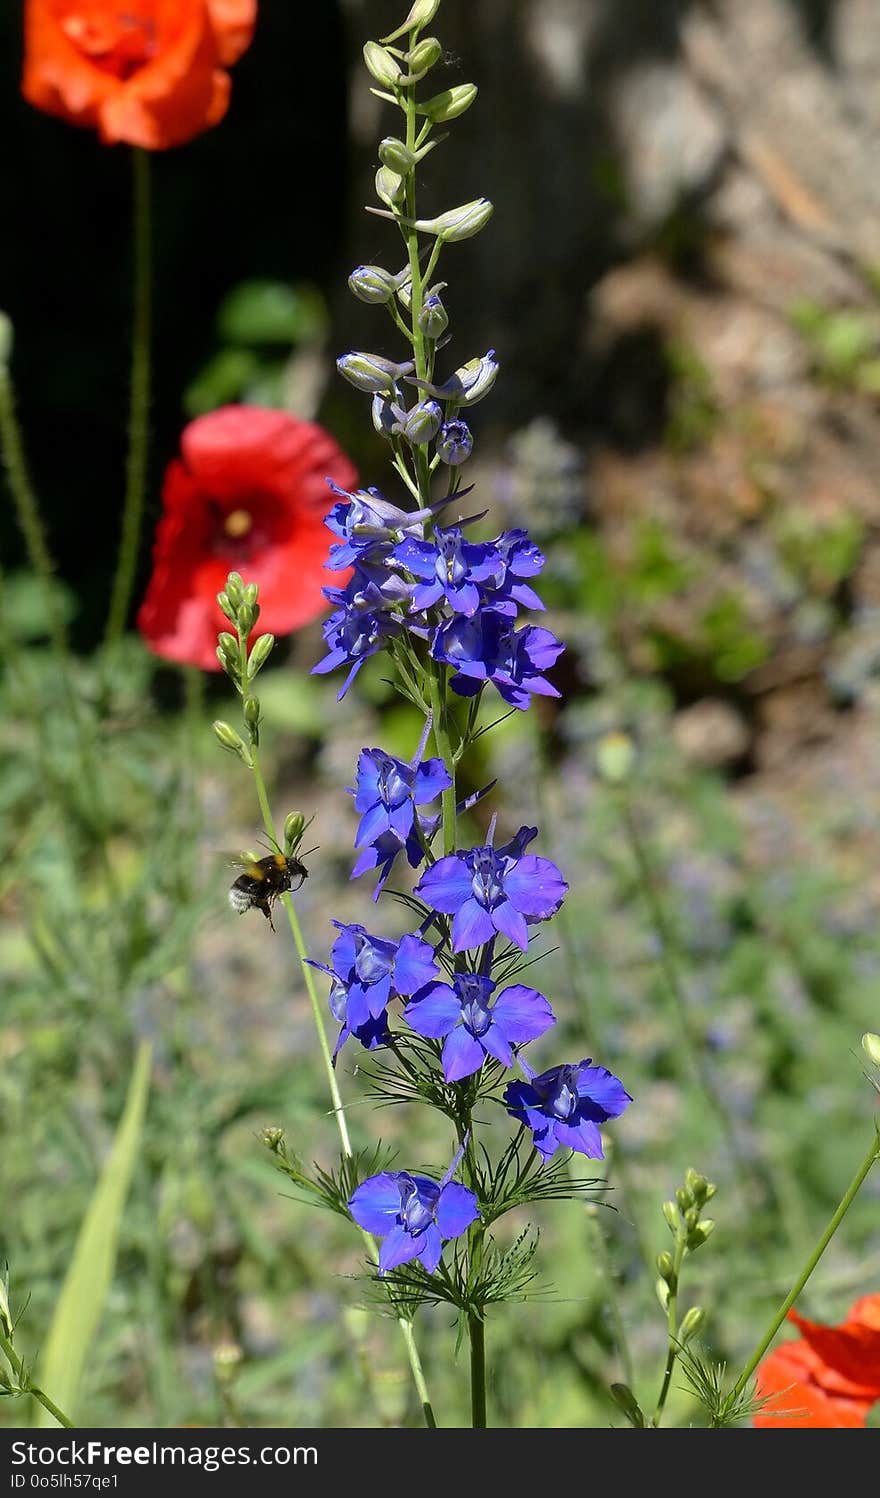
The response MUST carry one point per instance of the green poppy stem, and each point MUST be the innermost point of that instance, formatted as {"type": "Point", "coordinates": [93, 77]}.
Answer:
{"type": "Point", "coordinates": [139, 409]}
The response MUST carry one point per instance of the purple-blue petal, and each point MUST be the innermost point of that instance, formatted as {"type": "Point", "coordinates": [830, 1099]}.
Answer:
{"type": "Point", "coordinates": [446, 884]}
{"type": "Point", "coordinates": [510, 923]}
{"type": "Point", "coordinates": [431, 1248]}
{"type": "Point", "coordinates": [462, 1054]}
{"type": "Point", "coordinates": [431, 778]}
{"type": "Point", "coordinates": [433, 1012]}
{"type": "Point", "coordinates": [456, 1209]}
{"type": "Point", "coordinates": [472, 925]}
{"type": "Point", "coordinates": [535, 886]}
{"type": "Point", "coordinates": [582, 1136]}
{"type": "Point", "coordinates": [375, 1204]}
{"type": "Point", "coordinates": [399, 1248]}
{"type": "Point", "coordinates": [496, 1043]}
{"type": "Point", "coordinates": [598, 1087]}
{"type": "Point", "coordinates": [414, 966]}
{"type": "Point", "coordinates": [522, 1013]}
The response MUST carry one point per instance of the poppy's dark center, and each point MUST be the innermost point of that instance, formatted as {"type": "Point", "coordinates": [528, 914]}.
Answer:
{"type": "Point", "coordinates": [417, 1207]}
{"type": "Point", "coordinates": [120, 43]}
{"type": "Point", "coordinates": [238, 533]}
{"type": "Point", "coordinates": [487, 877]}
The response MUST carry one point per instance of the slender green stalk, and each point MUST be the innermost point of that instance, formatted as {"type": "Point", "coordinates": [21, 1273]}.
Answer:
{"type": "Point", "coordinates": [671, 1326]}
{"type": "Point", "coordinates": [139, 409]}
{"type": "Point", "coordinates": [844, 1205]}
{"type": "Point", "coordinates": [18, 1368]}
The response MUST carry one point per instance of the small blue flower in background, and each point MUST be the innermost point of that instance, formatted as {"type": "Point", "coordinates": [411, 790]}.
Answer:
{"type": "Point", "coordinates": [474, 1026]}
{"type": "Point", "coordinates": [367, 972]}
{"type": "Point", "coordinates": [413, 1214]}
{"type": "Point", "coordinates": [493, 891]}
{"type": "Point", "coordinates": [565, 1106]}
{"type": "Point", "coordinates": [488, 648]}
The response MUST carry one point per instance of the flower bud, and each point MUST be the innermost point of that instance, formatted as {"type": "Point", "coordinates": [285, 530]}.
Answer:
{"type": "Point", "coordinates": [5, 1315]}
{"type": "Point", "coordinates": [692, 1322]}
{"type": "Point", "coordinates": [684, 1198]}
{"type": "Point", "coordinates": [421, 58]}
{"type": "Point", "coordinates": [260, 654]}
{"type": "Point", "coordinates": [294, 827]}
{"type": "Point", "coordinates": [666, 1266]}
{"type": "Point", "coordinates": [394, 154]}
{"type": "Point", "coordinates": [372, 284]}
{"type": "Point", "coordinates": [251, 594]}
{"type": "Point", "coordinates": [662, 1292]}
{"type": "Point", "coordinates": [252, 714]}
{"type": "Point", "coordinates": [232, 741]}
{"type": "Point", "coordinates": [615, 757]}
{"type": "Point", "coordinates": [458, 223]}
{"type": "Point", "coordinates": [273, 1138]}
{"type": "Point", "coordinates": [421, 14]}
{"type": "Point", "coordinates": [6, 339]}
{"type": "Point", "coordinates": [228, 645]}
{"type": "Point", "coordinates": [234, 588]}
{"type": "Point", "coordinates": [389, 186]}
{"type": "Point", "coordinates": [871, 1047]}
{"type": "Point", "coordinates": [448, 105]}
{"type": "Point", "coordinates": [697, 1235]}
{"type": "Point", "coordinates": [368, 372]}
{"type": "Point", "coordinates": [248, 614]}
{"type": "Point", "coordinates": [670, 1212]}
{"type": "Point", "coordinates": [455, 443]}
{"type": "Point", "coordinates": [433, 318]}
{"type": "Point", "coordinates": [404, 295]}
{"type": "Point", "coordinates": [384, 419]}
{"type": "Point", "coordinates": [423, 422]}
{"type": "Point", "coordinates": [380, 63]}
{"type": "Point", "coordinates": [625, 1399]}
{"type": "Point", "coordinates": [225, 603]}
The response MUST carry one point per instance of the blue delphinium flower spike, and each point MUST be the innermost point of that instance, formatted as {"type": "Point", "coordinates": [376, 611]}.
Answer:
{"type": "Point", "coordinates": [565, 1106]}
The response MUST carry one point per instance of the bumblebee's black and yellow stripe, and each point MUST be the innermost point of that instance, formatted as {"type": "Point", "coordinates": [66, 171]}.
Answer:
{"type": "Point", "coordinates": [263, 881]}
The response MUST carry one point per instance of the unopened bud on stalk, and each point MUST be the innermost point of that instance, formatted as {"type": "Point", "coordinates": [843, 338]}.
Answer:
{"type": "Point", "coordinates": [692, 1322]}
{"type": "Point", "coordinates": [394, 154]}
{"type": "Point", "coordinates": [260, 654]}
{"type": "Point", "coordinates": [252, 715]}
{"type": "Point", "coordinates": [372, 284]}
{"type": "Point", "coordinates": [455, 443]}
{"type": "Point", "coordinates": [433, 318]}
{"type": "Point", "coordinates": [234, 588]}
{"type": "Point", "coordinates": [380, 63]}
{"type": "Point", "coordinates": [666, 1266]}
{"type": "Point", "coordinates": [226, 607]}
{"type": "Point", "coordinates": [370, 372]}
{"type": "Point", "coordinates": [389, 186]}
{"type": "Point", "coordinates": [421, 59]}
{"type": "Point", "coordinates": [697, 1235]}
{"type": "Point", "coordinates": [448, 105]}
{"type": "Point", "coordinates": [273, 1139]}
{"type": "Point", "coordinates": [421, 14]}
{"type": "Point", "coordinates": [684, 1198]}
{"type": "Point", "coordinates": [871, 1047]}
{"type": "Point", "coordinates": [458, 223]}
{"type": "Point", "coordinates": [662, 1291]}
{"type": "Point", "coordinates": [670, 1212]}
{"type": "Point", "coordinates": [232, 741]}
{"type": "Point", "coordinates": [423, 422]}
{"type": "Point", "coordinates": [294, 827]}
{"type": "Point", "coordinates": [227, 651]}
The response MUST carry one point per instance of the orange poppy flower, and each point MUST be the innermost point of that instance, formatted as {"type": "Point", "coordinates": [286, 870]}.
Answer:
{"type": "Point", "coordinates": [829, 1380]}
{"type": "Point", "coordinates": [149, 72]}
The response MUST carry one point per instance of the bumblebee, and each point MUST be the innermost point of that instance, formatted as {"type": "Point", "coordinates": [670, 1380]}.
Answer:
{"type": "Point", "coordinates": [264, 880]}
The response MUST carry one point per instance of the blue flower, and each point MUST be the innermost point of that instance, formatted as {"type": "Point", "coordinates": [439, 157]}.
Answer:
{"type": "Point", "coordinates": [493, 891]}
{"type": "Point", "coordinates": [367, 524]}
{"type": "Point", "coordinates": [366, 972]}
{"type": "Point", "coordinates": [565, 1106]}
{"type": "Point", "coordinates": [387, 793]}
{"type": "Point", "coordinates": [488, 648]}
{"type": "Point", "coordinates": [413, 1214]}
{"type": "Point", "coordinates": [447, 568]}
{"type": "Point", "coordinates": [363, 622]}
{"type": "Point", "coordinates": [474, 1025]}
{"type": "Point", "coordinates": [518, 558]}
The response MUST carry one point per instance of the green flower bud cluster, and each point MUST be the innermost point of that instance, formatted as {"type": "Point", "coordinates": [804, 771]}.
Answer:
{"type": "Point", "coordinates": [397, 64]}
{"type": "Point", "coordinates": [241, 661]}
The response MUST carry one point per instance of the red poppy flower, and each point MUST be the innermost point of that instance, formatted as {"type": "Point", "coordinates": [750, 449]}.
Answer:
{"type": "Point", "coordinates": [831, 1378]}
{"type": "Point", "coordinates": [247, 495]}
{"type": "Point", "coordinates": [149, 72]}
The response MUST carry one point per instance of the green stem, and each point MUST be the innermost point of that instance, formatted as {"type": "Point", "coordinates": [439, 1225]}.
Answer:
{"type": "Point", "coordinates": [846, 1202]}
{"type": "Point", "coordinates": [18, 1368]}
{"type": "Point", "coordinates": [477, 1335]}
{"type": "Point", "coordinates": [139, 409]}
{"type": "Point", "coordinates": [440, 729]}
{"type": "Point", "coordinates": [671, 1326]}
